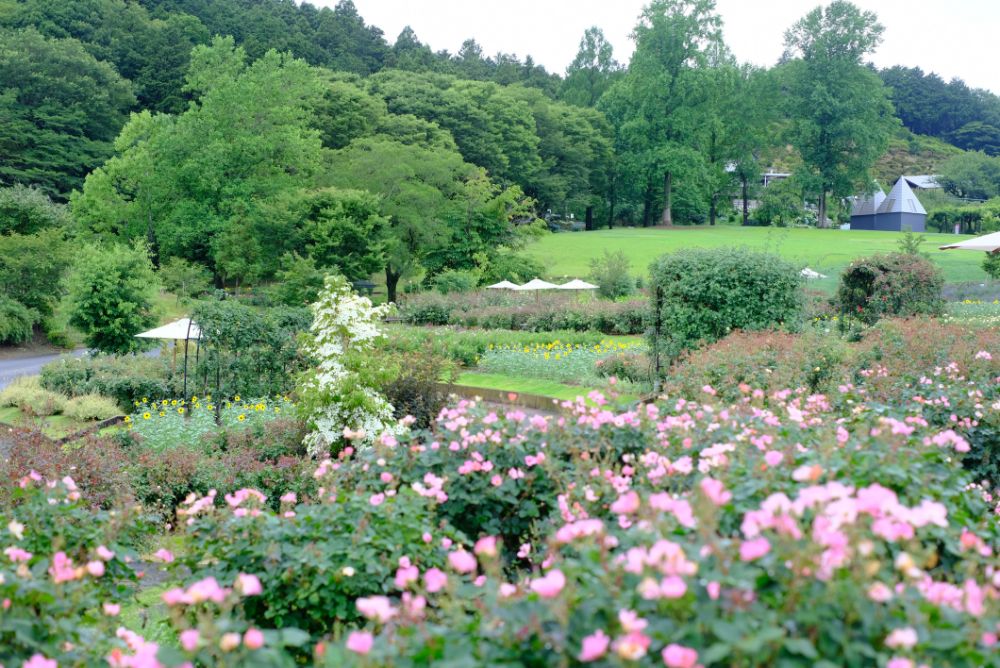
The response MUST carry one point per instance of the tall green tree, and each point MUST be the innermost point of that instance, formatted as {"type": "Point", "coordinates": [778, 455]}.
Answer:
{"type": "Point", "coordinates": [657, 106]}
{"type": "Point", "coordinates": [840, 110]}
{"type": "Point", "coordinates": [201, 185]}
{"type": "Point", "coordinates": [592, 71]}
{"type": "Point", "coordinates": [60, 110]}
{"type": "Point", "coordinates": [111, 289]}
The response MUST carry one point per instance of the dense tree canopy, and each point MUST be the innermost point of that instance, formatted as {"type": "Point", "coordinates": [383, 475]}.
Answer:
{"type": "Point", "coordinates": [61, 109]}
{"type": "Point", "coordinates": [252, 137]}
{"type": "Point", "coordinates": [840, 112]}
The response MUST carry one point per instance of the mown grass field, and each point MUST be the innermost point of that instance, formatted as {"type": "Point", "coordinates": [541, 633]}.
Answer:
{"type": "Point", "coordinates": [826, 251]}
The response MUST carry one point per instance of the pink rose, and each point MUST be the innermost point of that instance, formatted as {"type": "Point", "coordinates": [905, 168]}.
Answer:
{"type": "Point", "coordinates": [190, 639]}
{"type": "Point", "coordinates": [678, 656]}
{"type": "Point", "coordinates": [754, 549]}
{"type": "Point", "coordinates": [462, 561]}
{"type": "Point", "coordinates": [550, 585]}
{"type": "Point", "coordinates": [253, 639]}
{"type": "Point", "coordinates": [248, 585]}
{"type": "Point", "coordinates": [435, 580]}
{"type": "Point", "coordinates": [360, 642]}
{"type": "Point", "coordinates": [594, 646]}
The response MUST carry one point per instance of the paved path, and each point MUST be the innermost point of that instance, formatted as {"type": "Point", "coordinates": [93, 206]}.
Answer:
{"type": "Point", "coordinates": [29, 366]}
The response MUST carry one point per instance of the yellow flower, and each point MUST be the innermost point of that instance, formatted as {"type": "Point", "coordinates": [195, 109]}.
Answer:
{"type": "Point", "coordinates": [127, 419]}
{"type": "Point", "coordinates": [146, 415]}
{"type": "Point", "coordinates": [236, 398]}
{"type": "Point", "coordinates": [173, 402]}
{"type": "Point", "coordinates": [277, 410]}
{"type": "Point", "coordinates": [180, 411]}
{"type": "Point", "coordinates": [164, 402]}
{"type": "Point", "coordinates": [144, 400]}
{"type": "Point", "coordinates": [210, 407]}
{"type": "Point", "coordinates": [162, 414]}
{"type": "Point", "coordinates": [241, 417]}
{"type": "Point", "coordinates": [194, 398]}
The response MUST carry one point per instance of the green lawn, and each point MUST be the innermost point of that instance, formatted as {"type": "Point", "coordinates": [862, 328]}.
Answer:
{"type": "Point", "coordinates": [53, 426]}
{"type": "Point", "coordinates": [522, 385]}
{"type": "Point", "coordinates": [568, 254]}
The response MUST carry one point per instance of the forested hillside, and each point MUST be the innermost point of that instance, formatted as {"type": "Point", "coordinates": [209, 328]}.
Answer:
{"type": "Point", "coordinates": [260, 139]}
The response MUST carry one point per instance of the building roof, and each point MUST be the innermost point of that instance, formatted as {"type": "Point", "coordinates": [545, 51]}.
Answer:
{"type": "Point", "coordinates": [901, 200]}
{"type": "Point", "coordinates": [867, 206]}
{"type": "Point", "coordinates": [924, 181]}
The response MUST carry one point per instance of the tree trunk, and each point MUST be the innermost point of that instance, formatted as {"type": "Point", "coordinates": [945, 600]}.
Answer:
{"type": "Point", "coordinates": [821, 223]}
{"type": "Point", "coordinates": [391, 281]}
{"type": "Point", "coordinates": [746, 205]}
{"type": "Point", "coordinates": [713, 207]}
{"type": "Point", "coordinates": [668, 218]}
{"type": "Point", "coordinates": [647, 205]}
{"type": "Point", "coordinates": [589, 218]}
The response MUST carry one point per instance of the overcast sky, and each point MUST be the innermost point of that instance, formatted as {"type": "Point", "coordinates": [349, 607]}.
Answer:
{"type": "Point", "coordinates": [955, 38]}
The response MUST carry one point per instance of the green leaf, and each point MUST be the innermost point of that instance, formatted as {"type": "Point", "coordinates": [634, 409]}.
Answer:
{"type": "Point", "coordinates": [802, 646]}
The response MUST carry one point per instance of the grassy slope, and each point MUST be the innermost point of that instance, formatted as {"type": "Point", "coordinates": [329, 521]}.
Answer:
{"type": "Point", "coordinates": [523, 385]}
{"type": "Point", "coordinates": [826, 251]}
{"type": "Point", "coordinates": [54, 426]}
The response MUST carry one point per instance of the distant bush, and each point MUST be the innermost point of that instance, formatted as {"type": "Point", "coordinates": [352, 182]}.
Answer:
{"type": "Point", "coordinates": [703, 294]}
{"type": "Point", "coordinates": [610, 273]}
{"type": "Point", "coordinates": [896, 284]}
{"type": "Point", "coordinates": [504, 264]}
{"type": "Point", "coordinates": [991, 265]}
{"type": "Point", "coordinates": [454, 280]}
{"type": "Point", "coordinates": [184, 278]}
{"type": "Point", "coordinates": [414, 386]}
{"type": "Point", "coordinates": [16, 321]}
{"type": "Point", "coordinates": [90, 407]}
{"type": "Point", "coordinates": [28, 395]}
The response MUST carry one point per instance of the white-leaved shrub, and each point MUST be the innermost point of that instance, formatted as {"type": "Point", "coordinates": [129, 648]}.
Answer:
{"type": "Point", "coordinates": [338, 396]}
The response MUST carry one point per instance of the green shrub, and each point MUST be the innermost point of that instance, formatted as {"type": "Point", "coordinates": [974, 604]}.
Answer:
{"type": "Point", "coordinates": [32, 268]}
{"type": "Point", "coordinates": [703, 294]}
{"type": "Point", "coordinates": [414, 385]}
{"type": "Point", "coordinates": [28, 395]}
{"type": "Point", "coordinates": [455, 280]}
{"type": "Point", "coordinates": [298, 281]}
{"type": "Point", "coordinates": [125, 379]}
{"type": "Point", "coordinates": [90, 407]}
{"type": "Point", "coordinates": [991, 265]}
{"type": "Point", "coordinates": [317, 562]}
{"type": "Point", "coordinates": [17, 321]}
{"type": "Point", "coordinates": [185, 279]}
{"type": "Point", "coordinates": [111, 290]}
{"type": "Point", "coordinates": [896, 284]}
{"type": "Point", "coordinates": [610, 273]}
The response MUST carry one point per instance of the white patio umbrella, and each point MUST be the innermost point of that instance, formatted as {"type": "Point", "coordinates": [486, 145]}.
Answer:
{"type": "Point", "coordinates": [536, 284]}
{"type": "Point", "coordinates": [179, 330]}
{"type": "Point", "coordinates": [988, 242]}
{"type": "Point", "coordinates": [577, 284]}
{"type": "Point", "coordinates": [503, 285]}
{"type": "Point", "coordinates": [811, 274]}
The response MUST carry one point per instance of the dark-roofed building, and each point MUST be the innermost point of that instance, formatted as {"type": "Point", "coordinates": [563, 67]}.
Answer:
{"type": "Point", "coordinates": [895, 212]}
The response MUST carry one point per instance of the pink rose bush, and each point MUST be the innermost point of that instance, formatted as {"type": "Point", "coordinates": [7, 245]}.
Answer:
{"type": "Point", "coordinates": [757, 525]}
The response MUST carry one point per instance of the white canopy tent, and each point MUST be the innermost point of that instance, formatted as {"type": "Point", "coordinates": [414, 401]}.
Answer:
{"type": "Point", "coordinates": [536, 284]}
{"type": "Point", "coordinates": [503, 285]}
{"type": "Point", "coordinates": [577, 284]}
{"type": "Point", "coordinates": [179, 330]}
{"type": "Point", "coordinates": [989, 243]}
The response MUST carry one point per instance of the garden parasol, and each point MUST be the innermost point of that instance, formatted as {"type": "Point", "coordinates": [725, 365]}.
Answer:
{"type": "Point", "coordinates": [535, 284]}
{"type": "Point", "coordinates": [503, 285]}
{"type": "Point", "coordinates": [989, 243]}
{"type": "Point", "coordinates": [577, 284]}
{"type": "Point", "coordinates": [178, 330]}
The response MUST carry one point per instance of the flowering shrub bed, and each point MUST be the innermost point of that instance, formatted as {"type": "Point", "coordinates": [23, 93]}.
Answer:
{"type": "Point", "coordinates": [497, 309]}
{"type": "Point", "coordinates": [782, 525]}
{"type": "Point", "coordinates": [63, 574]}
{"type": "Point", "coordinates": [166, 423]}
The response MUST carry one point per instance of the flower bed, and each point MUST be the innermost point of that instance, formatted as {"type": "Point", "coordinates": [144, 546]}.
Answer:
{"type": "Point", "coordinates": [853, 523]}
{"type": "Point", "coordinates": [554, 360]}
{"type": "Point", "coordinates": [165, 423]}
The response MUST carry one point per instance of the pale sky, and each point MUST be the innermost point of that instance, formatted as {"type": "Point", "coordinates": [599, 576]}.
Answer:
{"type": "Point", "coordinates": [955, 38]}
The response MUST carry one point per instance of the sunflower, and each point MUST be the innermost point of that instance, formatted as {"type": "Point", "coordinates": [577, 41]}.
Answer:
{"type": "Point", "coordinates": [127, 419]}
{"type": "Point", "coordinates": [163, 414]}
{"type": "Point", "coordinates": [241, 417]}
{"type": "Point", "coordinates": [180, 411]}
{"type": "Point", "coordinates": [146, 415]}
